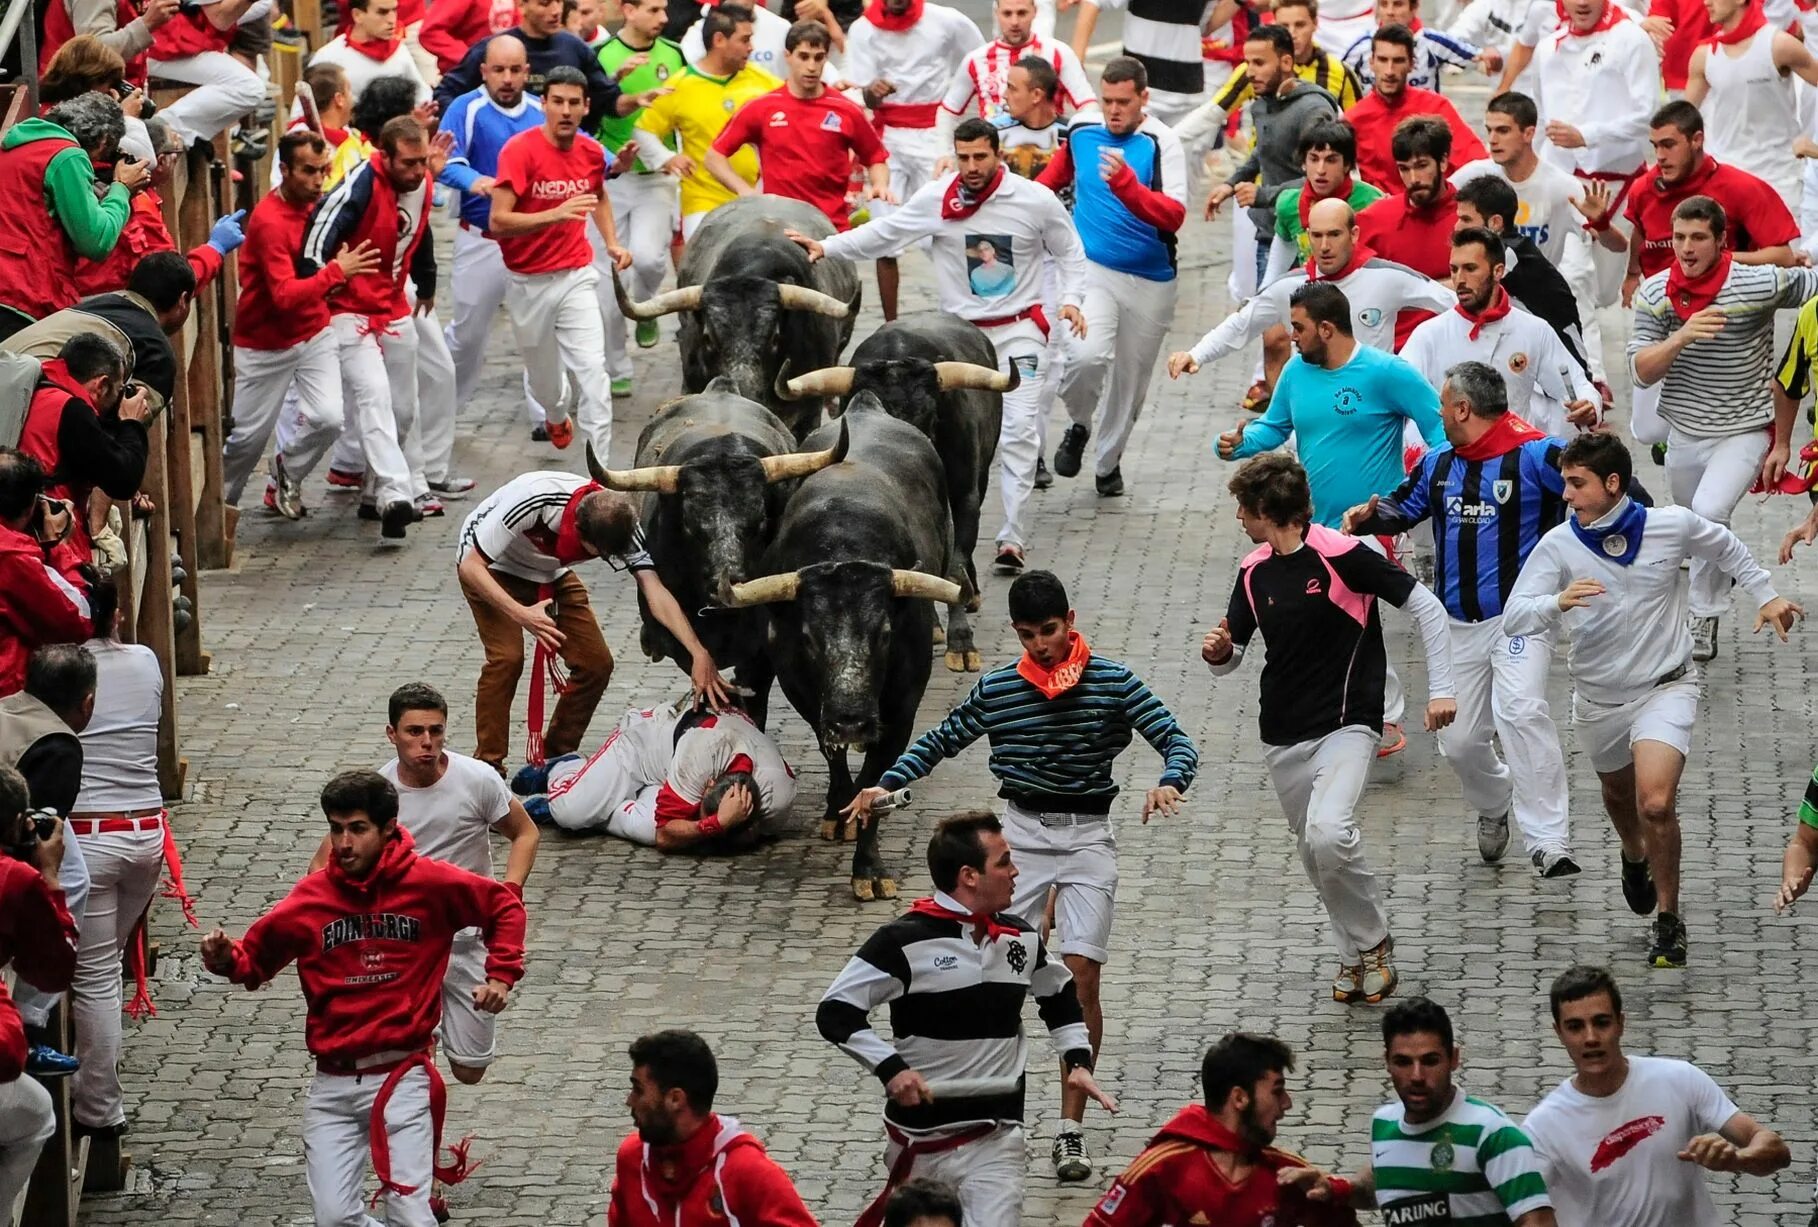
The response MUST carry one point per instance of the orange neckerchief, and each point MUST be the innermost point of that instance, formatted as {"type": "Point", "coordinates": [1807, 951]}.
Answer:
{"type": "Point", "coordinates": [1062, 677]}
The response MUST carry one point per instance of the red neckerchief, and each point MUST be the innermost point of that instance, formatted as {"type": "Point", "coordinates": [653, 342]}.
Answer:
{"type": "Point", "coordinates": [1447, 196]}
{"type": "Point", "coordinates": [1308, 199]}
{"type": "Point", "coordinates": [957, 203]}
{"type": "Point", "coordinates": [1359, 254]}
{"type": "Point", "coordinates": [1062, 677]}
{"type": "Point", "coordinates": [380, 52]}
{"type": "Point", "coordinates": [336, 137]}
{"type": "Point", "coordinates": [1612, 13]}
{"type": "Point", "coordinates": [985, 928]}
{"type": "Point", "coordinates": [1690, 295]}
{"type": "Point", "coordinates": [1505, 434]}
{"type": "Point", "coordinates": [685, 1160]}
{"type": "Point", "coordinates": [1499, 307]}
{"type": "Point", "coordinates": [1753, 19]}
{"type": "Point", "coordinates": [875, 14]}
{"type": "Point", "coordinates": [568, 547]}
{"type": "Point", "coordinates": [1414, 26]}
{"type": "Point", "coordinates": [1688, 186]}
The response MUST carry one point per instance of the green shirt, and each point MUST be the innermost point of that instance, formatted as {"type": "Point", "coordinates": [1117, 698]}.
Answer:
{"type": "Point", "coordinates": [92, 222]}
{"type": "Point", "coordinates": [665, 60]}
{"type": "Point", "coordinates": [1470, 1167]}
{"type": "Point", "coordinates": [1287, 213]}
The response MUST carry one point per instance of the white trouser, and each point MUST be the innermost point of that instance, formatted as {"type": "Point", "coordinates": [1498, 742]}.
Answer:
{"type": "Point", "coordinates": [1595, 274]}
{"type": "Point", "coordinates": [123, 868]}
{"type": "Point", "coordinates": [1319, 783]}
{"type": "Point", "coordinates": [34, 1004]}
{"type": "Point", "coordinates": [26, 1124]}
{"type": "Point", "coordinates": [469, 1035]}
{"type": "Point", "coordinates": [227, 89]}
{"type": "Point", "coordinates": [478, 282]}
{"type": "Point", "coordinates": [424, 60]}
{"type": "Point", "coordinates": [1710, 476]}
{"type": "Point", "coordinates": [262, 378]}
{"type": "Point", "coordinates": [1170, 108]}
{"type": "Point", "coordinates": [337, 1147]}
{"type": "Point", "coordinates": [986, 1173]}
{"type": "Point", "coordinates": [586, 795]}
{"type": "Point", "coordinates": [1127, 318]}
{"type": "Point", "coordinates": [1054, 357]}
{"type": "Point", "coordinates": [1019, 443]}
{"type": "Point", "coordinates": [1242, 279]}
{"type": "Point", "coordinates": [563, 342]}
{"type": "Point", "coordinates": [434, 434]}
{"type": "Point", "coordinates": [1074, 855]}
{"type": "Point", "coordinates": [1502, 692]}
{"type": "Point", "coordinates": [644, 213]}
{"type": "Point", "coordinates": [379, 394]}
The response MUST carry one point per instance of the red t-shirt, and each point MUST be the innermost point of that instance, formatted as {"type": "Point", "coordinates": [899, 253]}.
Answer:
{"type": "Point", "coordinates": [543, 177]}
{"type": "Point", "coordinates": [1754, 213]}
{"type": "Point", "coordinates": [805, 146]}
{"type": "Point", "coordinates": [1691, 26]}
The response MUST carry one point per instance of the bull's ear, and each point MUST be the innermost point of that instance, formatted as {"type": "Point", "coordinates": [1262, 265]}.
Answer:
{"type": "Point", "coordinates": [845, 443]}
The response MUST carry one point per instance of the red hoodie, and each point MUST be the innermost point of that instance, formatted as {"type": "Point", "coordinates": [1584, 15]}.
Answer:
{"type": "Point", "coordinates": [720, 1174]}
{"type": "Point", "coordinates": [372, 953]}
{"type": "Point", "coordinates": [1176, 1181]}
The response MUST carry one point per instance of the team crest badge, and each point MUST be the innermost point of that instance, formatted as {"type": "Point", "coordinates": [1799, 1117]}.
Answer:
{"type": "Point", "coordinates": [1615, 545]}
{"type": "Point", "coordinates": [1502, 490]}
{"type": "Point", "coordinates": [831, 122]}
{"type": "Point", "coordinates": [662, 72]}
{"type": "Point", "coordinates": [1518, 362]}
{"type": "Point", "coordinates": [1017, 955]}
{"type": "Point", "coordinates": [1442, 1156]}
{"type": "Point", "coordinates": [729, 106]}
{"type": "Point", "coordinates": [1371, 316]}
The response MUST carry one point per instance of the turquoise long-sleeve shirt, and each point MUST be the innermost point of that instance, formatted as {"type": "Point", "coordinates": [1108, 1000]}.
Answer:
{"type": "Point", "coordinates": [1347, 425]}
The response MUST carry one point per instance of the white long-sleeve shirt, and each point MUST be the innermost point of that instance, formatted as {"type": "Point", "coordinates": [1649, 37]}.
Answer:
{"type": "Point", "coordinates": [1378, 290]}
{"type": "Point", "coordinates": [362, 70]}
{"type": "Point", "coordinates": [920, 61]}
{"type": "Point", "coordinates": [1633, 634]}
{"type": "Point", "coordinates": [1607, 85]}
{"type": "Point", "coordinates": [1540, 374]}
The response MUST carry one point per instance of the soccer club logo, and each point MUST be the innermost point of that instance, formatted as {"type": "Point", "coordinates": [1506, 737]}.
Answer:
{"type": "Point", "coordinates": [1517, 644]}
{"type": "Point", "coordinates": [1370, 317]}
{"type": "Point", "coordinates": [662, 72]}
{"type": "Point", "coordinates": [1502, 490]}
{"type": "Point", "coordinates": [1017, 955]}
{"type": "Point", "coordinates": [1615, 545]}
{"type": "Point", "coordinates": [1443, 1156]}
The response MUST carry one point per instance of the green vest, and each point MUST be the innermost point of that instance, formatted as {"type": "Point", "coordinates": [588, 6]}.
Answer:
{"type": "Point", "coordinates": [665, 61]}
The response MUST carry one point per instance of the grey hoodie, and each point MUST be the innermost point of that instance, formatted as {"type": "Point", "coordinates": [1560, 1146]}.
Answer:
{"type": "Point", "coordinates": [1279, 121]}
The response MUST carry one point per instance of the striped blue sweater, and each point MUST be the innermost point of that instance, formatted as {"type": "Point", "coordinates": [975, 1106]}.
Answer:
{"type": "Point", "coordinates": [1055, 755]}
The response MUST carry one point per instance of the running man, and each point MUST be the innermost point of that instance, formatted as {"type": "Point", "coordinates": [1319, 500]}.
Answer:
{"type": "Point", "coordinates": [1057, 808]}
{"type": "Point", "coordinates": [1312, 594]}
{"type": "Point", "coordinates": [1545, 193]}
{"type": "Point", "coordinates": [1635, 687]}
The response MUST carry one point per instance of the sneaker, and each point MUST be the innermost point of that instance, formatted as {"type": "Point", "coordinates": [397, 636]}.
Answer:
{"type": "Point", "coordinates": [42, 1061]}
{"type": "Point", "coordinates": [438, 1208]}
{"type": "Point", "coordinates": [1492, 837]}
{"type": "Point", "coordinates": [1557, 863]}
{"type": "Point", "coordinates": [429, 507]}
{"type": "Point", "coordinates": [1638, 886]}
{"type": "Point", "coordinates": [1392, 741]}
{"type": "Point", "coordinates": [1009, 560]}
{"type": "Point", "coordinates": [341, 479]}
{"type": "Point", "coordinates": [621, 388]}
{"type": "Point", "coordinates": [648, 333]}
{"type": "Point", "coordinates": [1704, 638]}
{"type": "Point", "coordinates": [368, 511]}
{"type": "Point", "coordinates": [394, 518]}
{"type": "Point", "coordinates": [539, 433]}
{"type": "Point", "coordinates": [1378, 973]}
{"type": "Point", "coordinates": [1071, 1162]}
{"type": "Point", "coordinates": [271, 500]}
{"type": "Point", "coordinates": [1658, 453]}
{"type": "Point", "coordinates": [533, 778]}
{"type": "Point", "coordinates": [537, 806]}
{"type": "Point", "coordinates": [453, 487]}
{"type": "Point", "coordinates": [1347, 984]}
{"type": "Point", "coordinates": [289, 503]}
{"type": "Point", "coordinates": [1043, 478]}
{"type": "Point", "coordinates": [1111, 485]}
{"type": "Point", "coordinates": [1668, 941]}
{"type": "Point", "coordinates": [561, 433]}
{"type": "Point", "coordinates": [1072, 448]}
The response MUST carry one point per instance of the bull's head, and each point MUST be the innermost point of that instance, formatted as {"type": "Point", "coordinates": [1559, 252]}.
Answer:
{"type": "Point", "coordinates": [908, 388]}
{"type": "Point", "coordinates": [844, 611]}
{"type": "Point", "coordinates": [723, 504]}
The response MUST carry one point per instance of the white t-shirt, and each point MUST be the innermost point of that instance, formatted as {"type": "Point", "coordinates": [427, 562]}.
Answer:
{"type": "Point", "coordinates": [1544, 199]}
{"type": "Point", "coordinates": [1614, 1161]}
{"type": "Point", "coordinates": [518, 525]}
{"type": "Point", "coordinates": [450, 819]}
{"type": "Point", "coordinates": [120, 742]}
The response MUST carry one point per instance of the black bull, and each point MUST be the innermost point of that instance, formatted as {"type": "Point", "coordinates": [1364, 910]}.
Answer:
{"type": "Point", "coordinates": [861, 552]}
{"type": "Point", "coordinates": [751, 304]}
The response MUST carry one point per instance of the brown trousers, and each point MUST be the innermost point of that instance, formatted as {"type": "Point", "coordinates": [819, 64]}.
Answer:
{"type": "Point", "coordinates": [583, 651]}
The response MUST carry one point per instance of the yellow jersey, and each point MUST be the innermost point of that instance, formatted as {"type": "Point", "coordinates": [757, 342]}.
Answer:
{"type": "Point", "coordinates": [695, 110]}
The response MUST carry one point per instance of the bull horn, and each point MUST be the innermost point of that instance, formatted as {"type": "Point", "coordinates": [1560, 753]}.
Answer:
{"type": "Point", "coordinates": [765, 589]}
{"type": "Point", "coordinates": [920, 584]}
{"type": "Point", "coordinates": [684, 298]}
{"type": "Point", "coordinates": [663, 478]}
{"type": "Point", "coordinates": [800, 464]}
{"type": "Point", "coordinates": [828, 381]}
{"type": "Point", "coordinates": [801, 298]}
{"type": "Point", "coordinates": [956, 375]}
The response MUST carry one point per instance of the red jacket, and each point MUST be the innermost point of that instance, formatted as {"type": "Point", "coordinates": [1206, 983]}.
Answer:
{"type": "Point", "coordinates": [37, 606]}
{"type": "Point", "coordinates": [452, 26]}
{"type": "Point", "coordinates": [277, 308]}
{"type": "Point", "coordinates": [143, 234]}
{"type": "Point", "coordinates": [1755, 214]}
{"type": "Point", "coordinates": [1375, 121]}
{"type": "Point", "coordinates": [37, 933]}
{"type": "Point", "coordinates": [372, 953]}
{"type": "Point", "coordinates": [37, 258]}
{"type": "Point", "coordinates": [720, 1174]}
{"type": "Point", "coordinates": [365, 207]}
{"type": "Point", "coordinates": [12, 1039]}
{"type": "Point", "coordinates": [1175, 1181]}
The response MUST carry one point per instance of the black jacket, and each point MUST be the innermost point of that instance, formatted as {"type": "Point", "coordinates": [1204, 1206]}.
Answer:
{"type": "Point", "coordinates": [1541, 290]}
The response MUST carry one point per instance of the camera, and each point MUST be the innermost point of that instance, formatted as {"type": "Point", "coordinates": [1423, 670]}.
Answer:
{"type": "Point", "coordinates": [124, 90]}
{"type": "Point", "coordinates": [37, 827]}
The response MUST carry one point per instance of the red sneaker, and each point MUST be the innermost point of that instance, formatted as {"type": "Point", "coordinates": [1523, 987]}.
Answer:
{"type": "Point", "coordinates": [340, 479]}
{"type": "Point", "coordinates": [1393, 741]}
{"type": "Point", "coordinates": [271, 499]}
{"type": "Point", "coordinates": [561, 433]}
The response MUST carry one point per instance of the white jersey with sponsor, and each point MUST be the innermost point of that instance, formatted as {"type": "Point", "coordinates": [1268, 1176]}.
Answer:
{"type": "Point", "coordinates": [517, 527]}
{"type": "Point", "coordinates": [1378, 290]}
{"type": "Point", "coordinates": [1540, 374]}
{"type": "Point", "coordinates": [1613, 1160]}
{"type": "Point", "coordinates": [1751, 114]}
{"type": "Point", "coordinates": [1545, 214]}
{"type": "Point", "coordinates": [978, 87]}
{"type": "Point", "coordinates": [1607, 85]}
{"type": "Point", "coordinates": [452, 818]}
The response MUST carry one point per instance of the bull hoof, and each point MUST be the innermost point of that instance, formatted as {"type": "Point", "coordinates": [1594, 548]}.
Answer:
{"type": "Point", "coordinates": [886, 888]}
{"type": "Point", "coordinates": [974, 662]}
{"type": "Point", "coordinates": [849, 833]}
{"type": "Point", "coordinates": [830, 830]}
{"type": "Point", "coordinates": [956, 661]}
{"type": "Point", "coordinates": [975, 602]}
{"type": "Point", "coordinates": [862, 890]}
{"type": "Point", "coordinates": [940, 633]}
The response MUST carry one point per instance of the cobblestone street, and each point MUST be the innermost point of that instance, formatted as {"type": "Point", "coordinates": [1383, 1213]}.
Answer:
{"type": "Point", "coordinates": [1217, 927]}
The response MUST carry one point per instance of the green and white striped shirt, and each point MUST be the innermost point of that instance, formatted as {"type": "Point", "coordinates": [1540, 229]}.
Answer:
{"type": "Point", "coordinates": [1469, 1167]}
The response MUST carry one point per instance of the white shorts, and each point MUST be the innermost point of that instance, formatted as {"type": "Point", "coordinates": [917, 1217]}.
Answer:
{"type": "Point", "coordinates": [1077, 855]}
{"type": "Point", "coordinates": [469, 1035]}
{"type": "Point", "coordinates": [692, 222]}
{"type": "Point", "coordinates": [1609, 731]}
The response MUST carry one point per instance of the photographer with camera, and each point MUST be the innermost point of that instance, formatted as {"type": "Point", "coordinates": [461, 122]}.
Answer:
{"type": "Point", "coordinates": [38, 739]}
{"type": "Point", "coordinates": [37, 604]}
{"type": "Point", "coordinates": [38, 937]}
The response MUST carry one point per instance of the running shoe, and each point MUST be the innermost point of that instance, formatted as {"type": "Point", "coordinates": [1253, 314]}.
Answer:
{"type": "Point", "coordinates": [429, 506]}
{"type": "Point", "coordinates": [1393, 741]}
{"type": "Point", "coordinates": [1555, 863]}
{"type": "Point", "coordinates": [1638, 886]}
{"type": "Point", "coordinates": [1668, 941]}
{"type": "Point", "coordinates": [648, 334]}
{"type": "Point", "coordinates": [1009, 560]}
{"type": "Point", "coordinates": [1072, 448]}
{"type": "Point", "coordinates": [341, 479]}
{"type": "Point", "coordinates": [289, 492]}
{"type": "Point", "coordinates": [534, 778]}
{"type": "Point", "coordinates": [1492, 837]}
{"type": "Point", "coordinates": [42, 1061]}
{"type": "Point", "coordinates": [1257, 398]}
{"type": "Point", "coordinates": [1043, 478]}
{"type": "Point", "coordinates": [539, 433]}
{"type": "Point", "coordinates": [1704, 638]}
{"type": "Point", "coordinates": [271, 500]}
{"type": "Point", "coordinates": [1378, 973]}
{"type": "Point", "coordinates": [453, 487]}
{"type": "Point", "coordinates": [561, 433]}
{"type": "Point", "coordinates": [1071, 1162]}
{"type": "Point", "coordinates": [1111, 485]}
{"type": "Point", "coordinates": [621, 388]}
{"type": "Point", "coordinates": [1347, 985]}
{"type": "Point", "coordinates": [537, 807]}
{"type": "Point", "coordinates": [393, 519]}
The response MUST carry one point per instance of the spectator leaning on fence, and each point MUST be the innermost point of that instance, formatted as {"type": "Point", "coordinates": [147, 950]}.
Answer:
{"type": "Point", "coordinates": [37, 604]}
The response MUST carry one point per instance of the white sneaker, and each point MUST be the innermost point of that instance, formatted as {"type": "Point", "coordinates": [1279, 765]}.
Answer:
{"type": "Point", "coordinates": [1071, 1162]}
{"type": "Point", "coordinates": [1492, 837]}
{"type": "Point", "coordinates": [1704, 638]}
